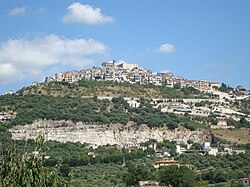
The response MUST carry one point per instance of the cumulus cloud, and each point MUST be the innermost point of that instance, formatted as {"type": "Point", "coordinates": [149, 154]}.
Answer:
{"type": "Point", "coordinates": [166, 48]}
{"type": "Point", "coordinates": [17, 11]}
{"type": "Point", "coordinates": [85, 14]}
{"type": "Point", "coordinates": [25, 58]}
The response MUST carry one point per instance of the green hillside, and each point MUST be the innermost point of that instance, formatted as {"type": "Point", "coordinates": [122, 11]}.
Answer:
{"type": "Point", "coordinates": [89, 110]}
{"type": "Point", "coordinates": [108, 88]}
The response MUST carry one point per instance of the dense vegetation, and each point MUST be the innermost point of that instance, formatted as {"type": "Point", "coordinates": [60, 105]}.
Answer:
{"type": "Point", "coordinates": [110, 88]}
{"type": "Point", "coordinates": [91, 110]}
{"type": "Point", "coordinates": [111, 166]}
{"type": "Point", "coordinates": [27, 168]}
{"type": "Point", "coordinates": [220, 168]}
{"type": "Point", "coordinates": [124, 167]}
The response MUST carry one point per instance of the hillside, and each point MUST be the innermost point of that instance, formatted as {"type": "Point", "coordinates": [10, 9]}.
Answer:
{"type": "Point", "coordinates": [108, 88]}
{"type": "Point", "coordinates": [71, 102]}
{"type": "Point", "coordinates": [117, 134]}
{"type": "Point", "coordinates": [90, 110]}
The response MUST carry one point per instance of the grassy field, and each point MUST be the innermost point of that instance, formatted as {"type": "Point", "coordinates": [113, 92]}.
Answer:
{"type": "Point", "coordinates": [239, 136]}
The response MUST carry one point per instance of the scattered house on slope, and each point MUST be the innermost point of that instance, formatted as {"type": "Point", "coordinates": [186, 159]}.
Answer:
{"type": "Point", "coordinates": [213, 151]}
{"type": "Point", "coordinates": [148, 184]}
{"type": "Point", "coordinates": [133, 103]}
{"type": "Point", "coordinates": [166, 152]}
{"type": "Point", "coordinates": [180, 150]}
{"type": "Point", "coordinates": [222, 124]}
{"type": "Point", "coordinates": [9, 92]}
{"type": "Point", "coordinates": [206, 146]}
{"type": "Point", "coordinates": [165, 162]}
{"type": "Point", "coordinates": [91, 154]}
{"type": "Point", "coordinates": [244, 181]}
{"type": "Point", "coordinates": [49, 79]}
{"type": "Point", "coordinates": [109, 64]}
{"type": "Point", "coordinates": [34, 84]}
{"type": "Point", "coordinates": [7, 115]}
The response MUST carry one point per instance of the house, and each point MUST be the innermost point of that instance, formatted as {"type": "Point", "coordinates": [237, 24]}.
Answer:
{"type": "Point", "coordinates": [222, 124]}
{"type": "Point", "coordinates": [109, 64]}
{"type": "Point", "coordinates": [166, 151]}
{"type": "Point", "coordinates": [244, 181]}
{"type": "Point", "coordinates": [148, 184]}
{"type": "Point", "coordinates": [241, 88]}
{"type": "Point", "coordinates": [34, 84]}
{"type": "Point", "coordinates": [239, 151]}
{"type": "Point", "coordinates": [91, 154]}
{"type": "Point", "coordinates": [213, 151]}
{"type": "Point", "coordinates": [8, 115]}
{"type": "Point", "coordinates": [133, 103]}
{"type": "Point", "coordinates": [165, 162]}
{"type": "Point", "coordinates": [180, 150]}
{"type": "Point", "coordinates": [158, 154]}
{"type": "Point", "coordinates": [10, 92]}
{"type": "Point", "coordinates": [206, 146]}
{"type": "Point", "coordinates": [49, 79]}
{"type": "Point", "coordinates": [124, 65]}
{"type": "Point", "coordinates": [213, 85]}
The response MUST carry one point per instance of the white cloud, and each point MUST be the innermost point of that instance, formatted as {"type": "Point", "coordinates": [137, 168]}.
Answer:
{"type": "Point", "coordinates": [166, 48]}
{"type": "Point", "coordinates": [17, 11]}
{"type": "Point", "coordinates": [24, 58]}
{"type": "Point", "coordinates": [84, 13]}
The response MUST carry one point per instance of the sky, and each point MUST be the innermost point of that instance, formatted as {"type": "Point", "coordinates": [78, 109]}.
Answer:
{"type": "Point", "coordinates": [207, 40]}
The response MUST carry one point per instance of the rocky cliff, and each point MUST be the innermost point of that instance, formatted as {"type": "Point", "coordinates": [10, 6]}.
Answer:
{"type": "Point", "coordinates": [102, 134]}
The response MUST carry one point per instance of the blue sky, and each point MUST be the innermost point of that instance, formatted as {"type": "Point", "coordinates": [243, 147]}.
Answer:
{"type": "Point", "coordinates": [206, 40]}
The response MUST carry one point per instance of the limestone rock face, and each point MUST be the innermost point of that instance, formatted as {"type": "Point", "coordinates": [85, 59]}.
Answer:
{"type": "Point", "coordinates": [102, 134]}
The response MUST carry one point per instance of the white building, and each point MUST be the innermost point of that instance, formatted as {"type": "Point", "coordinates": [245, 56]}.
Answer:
{"type": "Point", "coordinates": [133, 103]}
{"type": "Point", "coordinates": [124, 65]}
{"type": "Point", "coordinates": [206, 146]}
{"type": "Point", "coordinates": [10, 92]}
{"type": "Point", "coordinates": [213, 151]}
{"type": "Point", "coordinates": [180, 150]}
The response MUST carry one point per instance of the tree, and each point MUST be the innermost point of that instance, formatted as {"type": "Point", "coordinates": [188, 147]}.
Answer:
{"type": "Point", "coordinates": [135, 174]}
{"type": "Point", "coordinates": [28, 169]}
{"type": "Point", "coordinates": [65, 170]}
{"type": "Point", "coordinates": [177, 176]}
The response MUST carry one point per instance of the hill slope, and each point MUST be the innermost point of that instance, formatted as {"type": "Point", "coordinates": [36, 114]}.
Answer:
{"type": "Point", "coordinates": [108, 88]}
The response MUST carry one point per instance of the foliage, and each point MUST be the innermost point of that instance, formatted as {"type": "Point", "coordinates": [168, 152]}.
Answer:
{"type": "Point", "coordinates": [220, 168]}
{"type": "Point", "coordinates": [177, 176]}
{"type": "Point", "coordinates": [136, 173]}
{"type": "Point", "coordinates": [111, 88]}
{"type": "Point", "coordinates": [28, 169]}
{"type": "Point", "coordinates": [89, 110]}
{"type": "Point", "coordinates": [225, 88]}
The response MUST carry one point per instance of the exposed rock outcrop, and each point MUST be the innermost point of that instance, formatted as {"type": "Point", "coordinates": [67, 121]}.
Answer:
{"type": "Point", "coordinates": [102, 134]}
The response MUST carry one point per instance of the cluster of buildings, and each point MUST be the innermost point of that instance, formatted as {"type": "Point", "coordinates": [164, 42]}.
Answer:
{"type": "Point", "coordinates": [132, 73]}
{"type": "Point", "coordinates": [201, 107]}
{"type": "Point", "coordinates": [206, 148]}
{"type": "Point", "coordinates": [7, 115]}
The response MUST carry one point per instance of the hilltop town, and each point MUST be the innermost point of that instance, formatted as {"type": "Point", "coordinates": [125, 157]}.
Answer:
{"type": "Point", "coordinates": [132, 73]}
